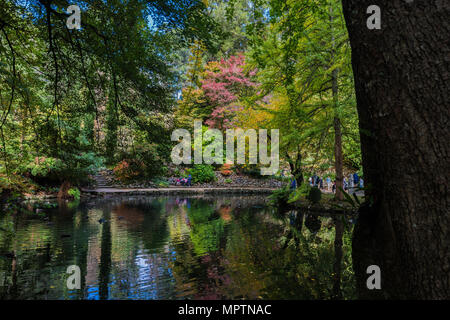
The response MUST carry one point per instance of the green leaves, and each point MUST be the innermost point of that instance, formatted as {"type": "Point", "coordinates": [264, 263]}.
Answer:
{"type": "Point", "coordinates": [353, 201]}
{"type": "Point", "coordinates": [71, 94]}
{"type": "Point", "coordinates": [202, 173]}
{"type": "Point", "coordinates": [304, 44]}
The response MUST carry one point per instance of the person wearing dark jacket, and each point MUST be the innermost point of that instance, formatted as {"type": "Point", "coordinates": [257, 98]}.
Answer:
{"type": "Point", "coordinates": [293, 184]}
{"type": "Point", "coordinates": [355, 179]}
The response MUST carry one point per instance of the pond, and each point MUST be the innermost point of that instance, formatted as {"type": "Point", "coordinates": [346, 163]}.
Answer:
{"type": "Point", "coordinates": [230, 247]}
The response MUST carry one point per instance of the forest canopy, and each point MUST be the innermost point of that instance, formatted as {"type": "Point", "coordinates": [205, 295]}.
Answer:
{"type": "Point", "coordinates": [110, 93]}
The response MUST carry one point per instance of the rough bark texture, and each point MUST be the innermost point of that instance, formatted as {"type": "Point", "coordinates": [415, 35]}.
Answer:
{"type": "Point", "coordinates": [402, 82]}
{"type": "Point", "coordinates": [296, 168]}
{"type": "Point", "coordinates": [338, 158]}
{"type": "Point", "coordinates": [63, 192]}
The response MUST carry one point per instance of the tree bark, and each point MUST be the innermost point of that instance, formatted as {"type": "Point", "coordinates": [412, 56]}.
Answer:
{"type": "Point", "coordinates": [296, 167]}
{"type": "Point", "coordinates": [338, 158]}
{"type": "Point", "coordinates": [402, 82]}
{"type": "Point", "coordinates": [63, 192]}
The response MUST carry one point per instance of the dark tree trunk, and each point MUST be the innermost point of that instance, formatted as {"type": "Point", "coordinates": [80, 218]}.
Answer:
{"type": "Point", "coordinates": [296, 167]}
{"type": "Point", "coordinates": [337, 268]}
{"type": "Point", "coordinates": [402, 83]}
{"type": "Point", "coordinates": [338, 159]}
{"type": "Point", "coordinates": [63, 192]}
{"type": "Point", "coordinates": [105, 258]}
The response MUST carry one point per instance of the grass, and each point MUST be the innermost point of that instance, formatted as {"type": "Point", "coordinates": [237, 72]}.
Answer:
{"type": "Point", "coordinates": [328, 200]}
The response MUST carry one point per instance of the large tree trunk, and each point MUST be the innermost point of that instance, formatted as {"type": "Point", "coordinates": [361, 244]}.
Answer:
{"type": "Point", "coordinates": [402, 83]}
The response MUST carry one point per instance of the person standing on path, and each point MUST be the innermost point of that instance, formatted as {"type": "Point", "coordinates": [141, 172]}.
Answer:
{"type": "Point", "coordinates": [356, 179]}
{"type": "Point", "coordinates": [293, 185]}
{"type": "Point", "coordinates": [350, 181]}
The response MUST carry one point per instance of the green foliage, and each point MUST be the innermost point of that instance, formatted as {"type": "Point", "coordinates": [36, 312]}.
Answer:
{"type": "Point", "coordinates": [15, 185]}
{"type": "Point", "coordinates": [144, 162]}
{"type": "Point", "coordinates": [128, 170]}
{"type": "Point", "coordinates": [71, 96]}
{"type": "Point", "coordinates": [202, 173]}
{"type": "Point", "coordinates": [228, 181]}
{"type": "Point", "coordinates": [44, 167]}
{"type": "Point", "coordinates": [205, 237]}
{"type": "Point", "coordinates": [354, 202]}
{"type": "Point", "coordinates": [299, 54]}
{"type": "Point", "coordinates": [302, 191]}
{"type": "Point", "coordinates": [44, 205]}
{"type": "Point", "coordinates": [280, 197]}
{"type": "Point", "coordinates": [75, 193]}
{"type": "Point", "coordinates": [161, 183]}
{"type": "Point", "coordinates": [207, 229]}
{"type": "Point", "coordinates": [75, 168]}
{"type": "Point", "coordinates": [252, 170]}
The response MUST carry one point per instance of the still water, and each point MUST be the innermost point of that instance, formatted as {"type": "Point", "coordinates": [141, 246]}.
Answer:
{"type": "Point", "coordinates": [231, 247]}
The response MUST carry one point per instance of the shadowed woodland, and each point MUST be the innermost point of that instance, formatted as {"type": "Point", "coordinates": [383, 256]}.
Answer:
{"type": "Point", "coordinates": [345, 98]}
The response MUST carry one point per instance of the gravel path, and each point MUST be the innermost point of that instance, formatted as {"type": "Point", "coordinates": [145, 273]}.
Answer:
{"type": "Point", "coordinates": [180, 190]}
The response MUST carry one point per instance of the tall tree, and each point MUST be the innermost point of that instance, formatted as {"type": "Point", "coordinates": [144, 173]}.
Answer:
{"type": "Point", "coordinates": [303, 56]}
{"type": "Point", "coordinates": [402, 83]}
{"type": "Point", "coordinates": [338, 158]}
{"type": "Point", "coordinates": [54, 81]}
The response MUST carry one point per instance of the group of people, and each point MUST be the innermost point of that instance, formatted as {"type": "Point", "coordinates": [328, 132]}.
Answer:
{"type": "Point", "coordinates": [353, 181]}
{"type": "Point", "coordinates": [316, 181]}
{"type": "Point", "coordinates": [184, 181]}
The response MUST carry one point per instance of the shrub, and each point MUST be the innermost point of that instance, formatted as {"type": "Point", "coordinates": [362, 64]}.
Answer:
{"type": "Point", "coordinates": [75, 193]}
{"type": "Point", "coordinates": [202, 173]}
{"type": "Point", "coordinates": [16, 184]}
{"type": "Point", "coordinates": [76, 168]}
{"type": "Point", "coordinates": [176, 172]}
{"type": "Point", "coordinates": [315, 195]}
{"type": "Point", "coordinates": [253, 171]}
{"type": "Point", "coordinates": [161, 183]}
{"type": "Point", "coordinates": [302, 191]}
{"type": "Point", "coordinates": [148, 161]}
{"type": "Point", "coordinates": [228, 181]}
{"type": "Point", "coordinates": [280, 197]}
{"type": "Point", "coordinates": [129, 169]}
{"type": "Point", "coordinates": [43, 166]}
{"type": "Point", "coordinates": [226, 169]}
{"type": "Point", "coordinates": [226, 172]}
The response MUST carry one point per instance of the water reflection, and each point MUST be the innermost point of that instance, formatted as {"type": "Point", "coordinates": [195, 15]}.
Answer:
{"type": "Point", "coordinates": [176, 248]}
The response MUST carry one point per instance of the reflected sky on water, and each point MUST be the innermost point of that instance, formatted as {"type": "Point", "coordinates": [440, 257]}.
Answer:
{"type": "Point", "coordinates": [231, 247]}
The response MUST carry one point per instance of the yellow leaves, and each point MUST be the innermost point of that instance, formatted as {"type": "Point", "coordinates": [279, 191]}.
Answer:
{"type": "Point", "coordinates": [250, 118]}
{"type": "Point", "coordinates": [212, 66]}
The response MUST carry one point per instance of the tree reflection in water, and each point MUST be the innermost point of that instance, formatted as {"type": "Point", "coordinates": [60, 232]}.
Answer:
{"type": "Point", "coordinates": [176, 247]}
